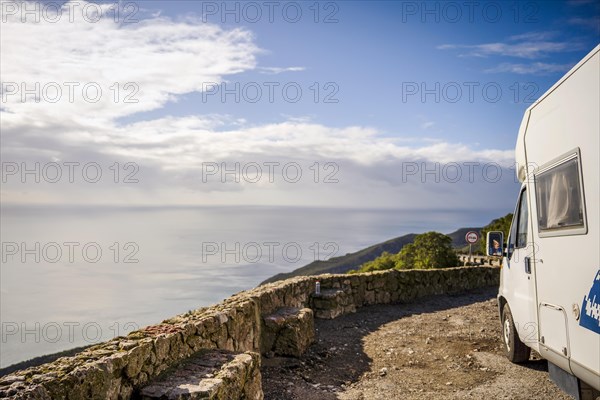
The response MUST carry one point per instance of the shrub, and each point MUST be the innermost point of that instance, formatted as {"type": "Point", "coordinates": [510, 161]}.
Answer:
{"type": "Point", "coordinates": [428, 250]}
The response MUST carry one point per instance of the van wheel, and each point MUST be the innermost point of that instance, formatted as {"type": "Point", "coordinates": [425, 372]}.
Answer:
{"type": "Point", "coordinates": [516, 351]}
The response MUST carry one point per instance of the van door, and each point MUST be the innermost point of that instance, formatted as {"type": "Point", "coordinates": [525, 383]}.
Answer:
{"type": "Point", "coordinates": [519, 276]}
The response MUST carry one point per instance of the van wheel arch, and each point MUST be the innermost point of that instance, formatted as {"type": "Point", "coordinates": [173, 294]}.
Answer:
{"type": "Point", "coordinates": [516, 351]}
{"type": "Point", "coordinates": [501, 302]}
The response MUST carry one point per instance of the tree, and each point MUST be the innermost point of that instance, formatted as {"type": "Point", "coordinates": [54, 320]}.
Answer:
{"type": "Point", "coordinates": [406, 257]}
{"type": "Point", "coordinates": [383, 262]}
{"type": "Point", "coordinates": [500, 224]}
{"type": "Point", "coordinates": [428, 250]}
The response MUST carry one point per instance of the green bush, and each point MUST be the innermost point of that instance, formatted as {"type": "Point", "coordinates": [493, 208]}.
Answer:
{"type": "Point", "coordinates": [428, 250]}
{"type": "Point", "coordinates": [383, 262]}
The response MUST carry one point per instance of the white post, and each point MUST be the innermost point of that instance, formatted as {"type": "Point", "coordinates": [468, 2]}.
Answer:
{"type": "Point", "coordinates": [470, 253]}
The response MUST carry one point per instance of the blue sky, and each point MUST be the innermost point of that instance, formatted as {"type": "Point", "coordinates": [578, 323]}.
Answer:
{"type": "Point", "coordinates": [372, 59]}
{"type": "Point", "coordinates": [376, 47]}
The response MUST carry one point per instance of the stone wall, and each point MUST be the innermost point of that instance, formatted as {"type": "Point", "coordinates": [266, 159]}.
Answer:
{"type": "Point", "coordinates": [465, 259]}
{"type": "Point", "coordinates": [120, 368]}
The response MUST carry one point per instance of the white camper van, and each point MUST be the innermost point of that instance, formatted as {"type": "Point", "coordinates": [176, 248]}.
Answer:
{"type": "Point", "coordinates": [549, 295]}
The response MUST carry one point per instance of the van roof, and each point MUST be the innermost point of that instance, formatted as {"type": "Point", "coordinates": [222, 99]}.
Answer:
{"type": "Point", "coordinates": [520, 158]}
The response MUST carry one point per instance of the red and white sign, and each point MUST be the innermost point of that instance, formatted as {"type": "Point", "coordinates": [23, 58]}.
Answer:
{"type": "Point", "coordinates": [472, 237]}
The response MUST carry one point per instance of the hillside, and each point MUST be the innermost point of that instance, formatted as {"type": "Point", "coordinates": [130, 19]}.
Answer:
{"type": "Point", "coordinates": [343, 264]}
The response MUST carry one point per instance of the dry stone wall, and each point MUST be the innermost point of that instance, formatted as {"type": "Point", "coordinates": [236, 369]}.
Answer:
{"type": "Point", "coordinates": [123, 366]}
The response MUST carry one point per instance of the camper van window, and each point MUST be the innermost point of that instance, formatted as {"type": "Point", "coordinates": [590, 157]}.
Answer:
{"type": "Point", "coordinates": [558, 194]}
{"type": "Point", "coordinates": [523, 219]}
{"type": "Point", "coordinates": [512, 237]}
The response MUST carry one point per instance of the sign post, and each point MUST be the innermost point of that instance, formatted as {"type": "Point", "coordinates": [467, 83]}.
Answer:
{"type": "Point", "coordinates": [471, 237]}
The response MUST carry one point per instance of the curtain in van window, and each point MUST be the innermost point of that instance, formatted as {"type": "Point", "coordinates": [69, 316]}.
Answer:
{"type": "Point", "coordinates": [559, 197]}
{"type": "Point", "coordinates": [560, 200]}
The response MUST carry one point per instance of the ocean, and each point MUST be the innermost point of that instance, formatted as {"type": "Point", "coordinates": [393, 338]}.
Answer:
{"type": "Point", "coordinates": [73, 276]}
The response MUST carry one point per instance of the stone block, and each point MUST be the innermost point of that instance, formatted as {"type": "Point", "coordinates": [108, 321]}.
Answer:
{"type": "Point", "coordinates": [331, 303]}
{"type": "Point", "coordinates": [209, 374]}
{"type": "Point", "coordinates": [288, 332]}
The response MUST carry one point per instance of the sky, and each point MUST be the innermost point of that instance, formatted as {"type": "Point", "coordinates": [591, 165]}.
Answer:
{"type": "Point", "coordinates": [346, 104]}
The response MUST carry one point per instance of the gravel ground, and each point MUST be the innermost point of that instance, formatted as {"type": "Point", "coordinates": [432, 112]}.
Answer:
{"type": "Point", "coordinates": [444, 347]}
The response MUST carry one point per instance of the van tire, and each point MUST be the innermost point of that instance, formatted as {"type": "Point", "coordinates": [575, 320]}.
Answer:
{"type": "Point", "coordinates": [516, 351]}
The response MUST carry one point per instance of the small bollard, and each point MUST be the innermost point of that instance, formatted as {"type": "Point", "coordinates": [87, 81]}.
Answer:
{"type": "Point", "coordinates": [318, 287]}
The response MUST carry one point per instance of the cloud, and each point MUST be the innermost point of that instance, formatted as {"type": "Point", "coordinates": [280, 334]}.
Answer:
{"type": "Point", "coordinates": [537, 68]}
{"type": "Point", "coordinates": [172, 155]}
{"type": "Point", "coordinates": [591, 22]}
{"type": "Point", "coordinates": [165, 59]}
{"type": "Point", "coordinates": [534, 36]}
{"type": "Point", "coordinates": [115, 69]}
{"type": "Point", "coordinates": [427, 124]}
{"type": "Point", "coordinates": [279, 70]}
{"type": "Point", "coordinates": [531, 45]}
{"type": "Point", "coordinates": [190, 143]}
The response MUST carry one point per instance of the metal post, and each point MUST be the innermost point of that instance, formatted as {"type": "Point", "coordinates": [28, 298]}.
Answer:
{"type": "Point", "coordinates": [470, 254]}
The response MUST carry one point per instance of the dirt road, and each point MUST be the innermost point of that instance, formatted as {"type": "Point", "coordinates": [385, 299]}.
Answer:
{"type": "Point", "coordinates": [444, 347]}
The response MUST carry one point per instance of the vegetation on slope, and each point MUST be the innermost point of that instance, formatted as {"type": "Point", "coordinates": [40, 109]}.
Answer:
{"type": "Point", "coordinates": [388, 249]}
{"type": "Point", "coordinates": [345, 263]}
{"type": "Point", "coordinates": [428, 250]}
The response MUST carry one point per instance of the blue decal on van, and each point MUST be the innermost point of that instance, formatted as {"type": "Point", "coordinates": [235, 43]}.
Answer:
{"type": "Point", "coordinates": [590, 309]}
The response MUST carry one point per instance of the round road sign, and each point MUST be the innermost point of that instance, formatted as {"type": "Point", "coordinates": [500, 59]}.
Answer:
{"type": "Point", "coordinates": [472, 237]}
